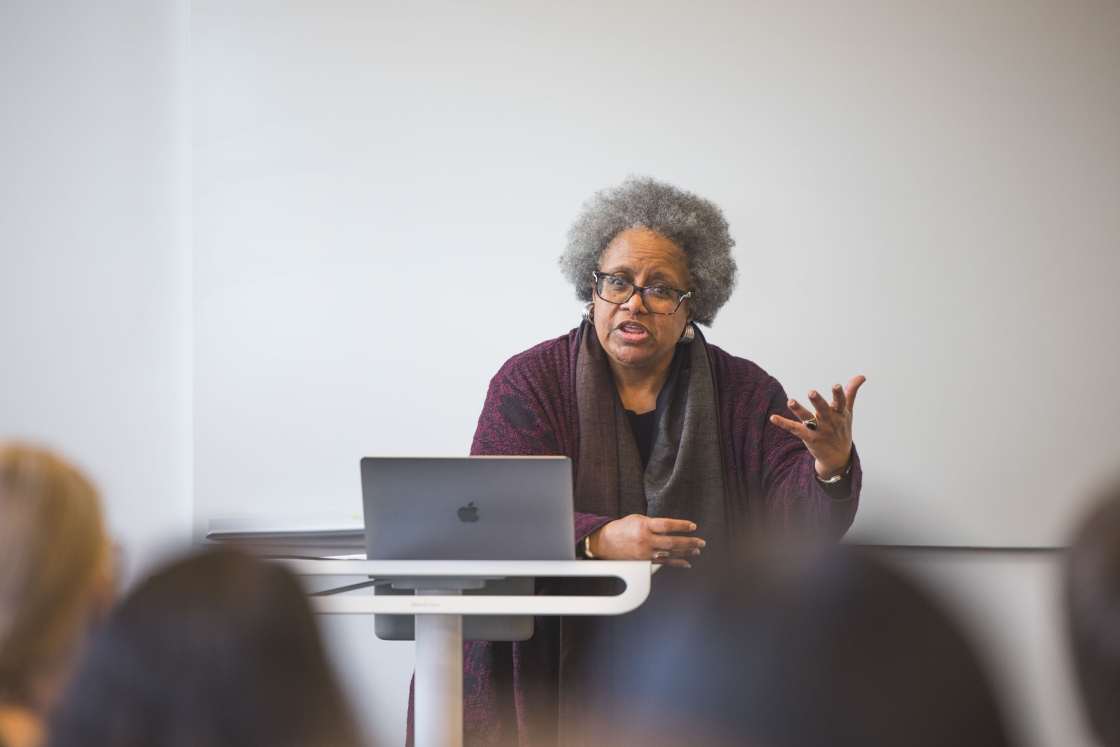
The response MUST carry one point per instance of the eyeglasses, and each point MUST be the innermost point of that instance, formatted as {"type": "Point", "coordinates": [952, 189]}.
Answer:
{"type": "Point", "coordinates": [657, 298]}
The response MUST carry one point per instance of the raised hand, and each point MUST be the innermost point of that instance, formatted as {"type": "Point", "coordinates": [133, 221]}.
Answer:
{"type": "Point", "coordinates": [830, 442]}
{"type": "Point", "coordinates": [638, 537]}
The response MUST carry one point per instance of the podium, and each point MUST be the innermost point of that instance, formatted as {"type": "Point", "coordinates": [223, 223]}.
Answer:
{"type": "Point", "coordinates": [439, 606]}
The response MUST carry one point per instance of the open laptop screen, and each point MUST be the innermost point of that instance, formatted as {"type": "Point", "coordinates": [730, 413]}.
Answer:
{"type": "Point", "coordinates": [468, 508]}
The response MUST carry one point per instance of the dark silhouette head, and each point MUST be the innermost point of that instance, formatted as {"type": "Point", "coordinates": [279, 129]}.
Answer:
{"type": "Point", "coordinates": [1093, 615]}
{"type": "Point", "coordinates": [218, 650]}
{"type": "Point", "coordinates": [795, 650]}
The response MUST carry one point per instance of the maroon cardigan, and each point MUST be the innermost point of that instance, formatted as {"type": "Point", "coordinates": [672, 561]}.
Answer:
{"type": "Point", "coordinates": [510, 690]}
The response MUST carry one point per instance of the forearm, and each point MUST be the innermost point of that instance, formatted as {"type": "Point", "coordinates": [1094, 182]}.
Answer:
{"type": "Point", "coordinates": [799, 503]}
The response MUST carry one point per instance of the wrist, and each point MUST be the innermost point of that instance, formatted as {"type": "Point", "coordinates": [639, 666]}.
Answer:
{"type": "Point", "coordinates": [591, 545]}
{"type": "Point", "coordinates": [828, 475]}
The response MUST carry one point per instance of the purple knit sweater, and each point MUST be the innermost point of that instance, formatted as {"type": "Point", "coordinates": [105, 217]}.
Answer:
{"type": "Point", "coordinates": [510, 689]}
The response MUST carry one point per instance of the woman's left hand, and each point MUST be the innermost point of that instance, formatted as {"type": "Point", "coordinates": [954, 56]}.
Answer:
{"type": "Point", "coordinates": [831, 442]}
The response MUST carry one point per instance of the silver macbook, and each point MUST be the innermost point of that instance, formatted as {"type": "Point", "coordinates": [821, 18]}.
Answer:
{"type": "Point", "coordinates": [468, 508]}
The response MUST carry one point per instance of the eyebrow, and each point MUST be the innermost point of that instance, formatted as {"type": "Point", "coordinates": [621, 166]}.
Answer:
{"type": "Point", "coordinates": [657, 277]}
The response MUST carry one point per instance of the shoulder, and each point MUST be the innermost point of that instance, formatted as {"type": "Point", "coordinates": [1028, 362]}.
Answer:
{"type": "Point", "coordinates": [747, 397]}
{"type": "Point", "coordinates": [528, 407]}
{"type": "Point", "coordinates": [542, 365]}
{"type": "Point", "coordinates": [739, 374]}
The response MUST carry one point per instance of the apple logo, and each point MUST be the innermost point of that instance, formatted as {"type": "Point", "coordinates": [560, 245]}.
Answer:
{"type": "Point", "coordinates": [468, 513]}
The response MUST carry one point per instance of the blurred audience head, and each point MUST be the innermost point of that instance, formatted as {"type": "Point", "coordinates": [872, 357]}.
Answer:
{"type": "Point", "coordinates": [1093, 614]}
{"type": "Point", "coordinates": [56, 577]}
{"type": "Point", "coordinates": [796, 650]}
{"type": "Point", "coordinates": [219, 650]}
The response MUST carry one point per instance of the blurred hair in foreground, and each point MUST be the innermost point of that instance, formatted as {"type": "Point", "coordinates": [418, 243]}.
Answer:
{"type": "Point", "coordinates": [56, 573]}
{"type": "Point", "coordinates": [219, 650]}
{"type": "Point", "coordinates": [794, 649]}
{"type": "Point", "coordinates": [1093, 614]}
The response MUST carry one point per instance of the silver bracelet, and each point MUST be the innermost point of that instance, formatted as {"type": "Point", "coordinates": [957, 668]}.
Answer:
{"type": "Point", "coordinates": [838, 478]}
{"type": "Point", "coordinates": [587, 548]}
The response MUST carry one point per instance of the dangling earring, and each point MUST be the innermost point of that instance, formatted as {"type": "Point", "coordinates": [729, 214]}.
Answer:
{"type": "Point", "coordinates": [688, 335]}
{"type": "Point", "coordinates": [589, 313]}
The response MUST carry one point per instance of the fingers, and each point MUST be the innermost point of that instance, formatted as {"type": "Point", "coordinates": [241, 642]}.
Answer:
{"type": "Point", "coordinates": [673, 549]}
{"type": "Point", "coordinates": [796, 428]}
{"type": "Point", "coordinates": [819, 404]}
{"type": "Point", "coordinates": [639, 537]}
{"type": "Point", "coordinates": [851, 389]}
{"type": "Point", "coordinates": [842, 397]}
{"type": "Point", "coordinates": [677, 545]}
{"type": "Point", "coordinates": [799, 410]}
{"type": "Point", "coordinates": [664, 526]}
{"type": "Point", "coordinates": [830, 442]}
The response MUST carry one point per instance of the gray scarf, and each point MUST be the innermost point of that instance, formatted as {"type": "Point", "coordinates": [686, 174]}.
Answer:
{"type": "Point", "coordinates": [683, 480]}
{"type": "Point", "coordinates": [684, 477]}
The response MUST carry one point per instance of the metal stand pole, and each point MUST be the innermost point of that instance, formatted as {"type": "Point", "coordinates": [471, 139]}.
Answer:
{"type": "Point", "coordinates": [439, 676]}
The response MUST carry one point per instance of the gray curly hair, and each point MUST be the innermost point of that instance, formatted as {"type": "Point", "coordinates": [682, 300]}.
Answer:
{"type": "Point", "coordinates": [694, 224]}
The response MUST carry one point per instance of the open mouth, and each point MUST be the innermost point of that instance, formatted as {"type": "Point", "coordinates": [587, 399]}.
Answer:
{"type": "Point", "coordinates": [632, 332]}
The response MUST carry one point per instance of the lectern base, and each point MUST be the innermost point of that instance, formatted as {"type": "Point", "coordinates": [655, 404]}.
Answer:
{"type": "Point", "coordinates": [439, 676]}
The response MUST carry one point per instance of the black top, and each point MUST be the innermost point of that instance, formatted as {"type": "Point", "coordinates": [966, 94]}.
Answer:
{"type": "Point", "coordinates": [645, 432]}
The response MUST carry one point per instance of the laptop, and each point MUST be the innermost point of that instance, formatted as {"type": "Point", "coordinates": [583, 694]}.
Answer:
{"type": "Point", "coordinates": [468, 508]}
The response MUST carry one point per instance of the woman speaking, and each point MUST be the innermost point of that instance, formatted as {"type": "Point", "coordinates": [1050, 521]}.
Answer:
{"type": "Point", "coordinates": [676, 445]}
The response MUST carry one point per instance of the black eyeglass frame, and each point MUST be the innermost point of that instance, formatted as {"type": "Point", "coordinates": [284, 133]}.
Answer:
{"type": "Point", "coordinates": [635, 288]}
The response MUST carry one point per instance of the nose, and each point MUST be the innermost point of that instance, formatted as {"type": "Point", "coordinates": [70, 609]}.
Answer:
{"type": "Point", "coordinates": [636, 304]}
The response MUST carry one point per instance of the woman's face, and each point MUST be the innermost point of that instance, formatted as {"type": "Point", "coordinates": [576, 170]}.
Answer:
{"type": "Point", "coordinates": [630, 334]}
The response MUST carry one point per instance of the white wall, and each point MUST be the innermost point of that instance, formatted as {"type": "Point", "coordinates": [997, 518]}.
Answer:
{"type": "Point", "coordinates": [94, 252]}
{"type": "Point", "coordinates": [922, 194]}
{"type": "Point", "coordinates": [95, 281]}
{"type": "Point", "coordinates": [95, 327]}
